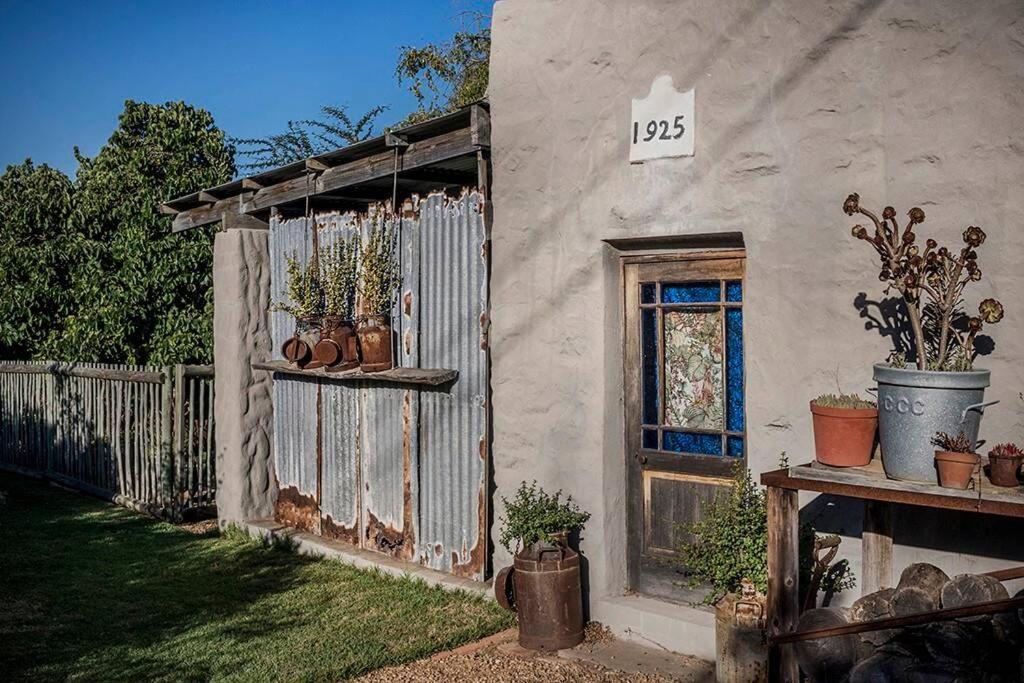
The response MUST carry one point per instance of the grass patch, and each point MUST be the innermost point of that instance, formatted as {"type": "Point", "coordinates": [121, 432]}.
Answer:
{"type": "Point", "coordinates": [89, 591]}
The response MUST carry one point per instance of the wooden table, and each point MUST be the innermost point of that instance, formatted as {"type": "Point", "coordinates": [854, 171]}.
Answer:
{"type": "Point", "coordinates": [868, 484]}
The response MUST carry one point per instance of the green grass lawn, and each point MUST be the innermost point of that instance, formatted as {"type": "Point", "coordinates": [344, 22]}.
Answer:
{"type": "Point", "coordinates": [89, 591]}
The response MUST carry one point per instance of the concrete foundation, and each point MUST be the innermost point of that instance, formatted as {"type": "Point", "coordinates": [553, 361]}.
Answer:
{"type": "Point", "coordinates": [246, 484]}
{"type": "Point", "coordinates": [913, 103]}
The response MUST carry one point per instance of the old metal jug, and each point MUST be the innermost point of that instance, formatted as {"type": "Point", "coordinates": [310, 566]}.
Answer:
{"type": "Point", "coordinates": [544, 588]}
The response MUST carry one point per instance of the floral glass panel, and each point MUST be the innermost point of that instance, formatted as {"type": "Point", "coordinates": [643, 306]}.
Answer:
{"type": "Point", "coordinates": [694, 388]}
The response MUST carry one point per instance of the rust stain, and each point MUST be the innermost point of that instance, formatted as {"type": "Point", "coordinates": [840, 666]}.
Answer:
{"type": "Point", "coordinates": [297, 510]}
{"type": "Point", "coordinates": [386, 539]}
{"type": "Point", "coordinates": [474, 567]}
{"type": "Point", "coordinates": [407, 502]}
{"type": "Point", "coordinates": [407, 340]}
{"type": "Point", "coordinates": [331, 529]}
{"type": "Point", "coordinates": [485, 330]}
{"type": "Point", "coordinates": [407, 303]}
{"type": "Point", "coordinates": [483, 448]}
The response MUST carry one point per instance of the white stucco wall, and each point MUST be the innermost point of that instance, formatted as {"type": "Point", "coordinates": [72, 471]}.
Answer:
{"type": "Point", "coordinates": [797, 104]}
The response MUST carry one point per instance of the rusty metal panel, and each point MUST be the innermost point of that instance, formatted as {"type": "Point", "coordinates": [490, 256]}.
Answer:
{"type": "Point", "coordinates": [453, 314]}
{"type": "Point", "coordinates": [295, 451]}
{"type": "Point", "coordinates": [341, 475]}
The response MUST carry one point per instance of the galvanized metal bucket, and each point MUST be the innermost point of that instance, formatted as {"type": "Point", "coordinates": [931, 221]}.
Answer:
{"type": "Point", "coordinates": [915, 404]}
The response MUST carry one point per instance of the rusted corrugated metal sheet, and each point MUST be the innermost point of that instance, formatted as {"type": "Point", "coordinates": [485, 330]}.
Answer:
{"type": "Point", "coordinates": [402, 470]}
{"type": "Point", "coordinates": [453, 314]}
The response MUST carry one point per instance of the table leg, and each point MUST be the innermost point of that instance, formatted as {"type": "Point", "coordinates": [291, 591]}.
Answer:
{"type": "Point", "coordinates": [876, 547]}
{"type": "Point", "coordinates": [783, 580]}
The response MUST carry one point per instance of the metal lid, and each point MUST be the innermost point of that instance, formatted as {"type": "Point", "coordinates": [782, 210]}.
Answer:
{"type": "Point", "coordinates": [931, 379]}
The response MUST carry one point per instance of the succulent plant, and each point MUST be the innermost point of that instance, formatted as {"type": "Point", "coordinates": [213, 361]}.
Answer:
{"type": "Point", "coordinates": [954, 444]}
{"type": "Point", "coordinates": [843, 401]}
{"type": "Point", "coordinates": [1006, 450]}
{"type": "Point", "coordinates": [931, 284]}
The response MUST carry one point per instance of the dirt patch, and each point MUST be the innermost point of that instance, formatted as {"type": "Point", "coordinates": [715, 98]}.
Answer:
{"type": "Point", "coordinates": [200, 528]}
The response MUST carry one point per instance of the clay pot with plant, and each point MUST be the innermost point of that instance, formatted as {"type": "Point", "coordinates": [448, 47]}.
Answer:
{"type": "Point", "coordinates": [1004, 463]}
{"type": "Point", "coordinates": [931, 385]}
{"type": "Point", "coordinates": [338, 349]}
{"type": "Point", "coordinates": [379, 281]}
{"type": "Point", "coordinates": [306, 304]}
{"type": "Point", "coordinates": [955, 460]}
{"type": "Point", "coordinates": [544, 583]}
{"type": "Point", "coordinates": [844, 429]}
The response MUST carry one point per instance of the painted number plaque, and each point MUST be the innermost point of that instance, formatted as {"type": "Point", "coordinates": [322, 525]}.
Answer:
{"type": "Point", "coordinates": [662, 123]}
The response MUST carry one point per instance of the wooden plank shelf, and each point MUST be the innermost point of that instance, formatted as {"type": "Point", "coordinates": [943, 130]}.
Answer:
{"type": "Point", "coordinates": [422, 376]}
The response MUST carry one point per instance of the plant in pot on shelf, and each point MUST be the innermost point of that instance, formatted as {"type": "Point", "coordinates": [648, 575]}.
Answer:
{"type": "Point", "coordinates": [955, 459]}
{"type": "Point", "coordinates": [726, 550]}
{"type": "Point", "coordinates": [379, 282]}
{"type": "Point", "coordinates": [942, 391]}
{"type": "Point", "coordinates": [544, 585]}
{"type": "Point", "coordinates": [305, 304]}
{"type": "Point", "coordinates": [337, 349]}
{"type": "Point", "coordinates": [844, 429]}
{"type": "Point", "coordinates": [1004, 464]}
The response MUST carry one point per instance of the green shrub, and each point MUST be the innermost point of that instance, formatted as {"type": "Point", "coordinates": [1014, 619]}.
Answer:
{"type": "Point", "coordinates": [535, 515]}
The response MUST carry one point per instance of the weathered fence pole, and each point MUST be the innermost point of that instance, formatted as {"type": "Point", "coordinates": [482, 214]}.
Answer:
{"type": "Point", "coordinates": [167, 396]}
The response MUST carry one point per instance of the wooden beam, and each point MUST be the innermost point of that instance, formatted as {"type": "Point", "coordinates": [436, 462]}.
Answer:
{"type": "Point", "coordinates": [783, 580]}
{"type": "Point", "coordinates": [205, 196]}
{"type": "Point", "coordinates": [316, 166]}
{"type": "Point", "coordinates": [167, 210]}
{"type": "Point", "coordinates": [392, 140]}
{"type": "Point", "coordinates": [441, 176]}
{"type": "Point", "coordinates": [204, 215]}
{"type": "Point", "coordinates": [876, 544]}
{"type": "Point", "coordinates": [480, 126]}
{"type": "Point", "coordinates": [418, 154]}
{"type": "Point", "coordinates": [250, 184]}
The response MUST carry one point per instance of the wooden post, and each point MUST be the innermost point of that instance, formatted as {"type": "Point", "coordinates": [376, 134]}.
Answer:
{"type": "Point", "coordinates": [179, 432]}
{"type": "Point", "coordinates": [876, 547]}
{"type": "Point", "coordinates": [783, 580]}
{"type": "Point", "coordinates": [166, 495]}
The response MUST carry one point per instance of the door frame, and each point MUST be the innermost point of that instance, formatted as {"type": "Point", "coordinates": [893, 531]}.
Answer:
{"type": "Point", "coordinates": [680, 267]}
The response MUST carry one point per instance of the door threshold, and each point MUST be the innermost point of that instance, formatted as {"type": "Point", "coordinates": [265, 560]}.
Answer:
{"type": "Point", "coordinates": [665, 581]}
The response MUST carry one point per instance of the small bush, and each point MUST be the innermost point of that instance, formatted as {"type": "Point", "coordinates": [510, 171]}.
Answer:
{"type": "Point", "coordinates": [535, 515]}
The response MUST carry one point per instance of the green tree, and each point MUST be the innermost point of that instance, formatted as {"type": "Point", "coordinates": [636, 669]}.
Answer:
{"type": "Point", "coordinates": [35, 202]}
{"type": "Point", "coordinates": [306, 138]}
{"type": "Point", "coordinates": [448, 75]}
{"type": "Point", "coordinates": [138, 295]}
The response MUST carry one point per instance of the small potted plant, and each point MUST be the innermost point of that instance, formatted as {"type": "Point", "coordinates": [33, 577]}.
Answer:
{"type": "Point", "coordinates": [544, 584]}
{"type": "Point", "coordinates": [379, 282]}
{"type": "Point", "coordinates": [1004, 464]}
{"type": "Point", "coordinates": [844, 429]}
{"type": "Point", "coordinates": [942, 388]}
{"type": "Point", "coordinates": [339, 268]}
{"type": "Point", "coordinates": [955, 460]}
{"type": "Point", "coordinates": [305, 304]}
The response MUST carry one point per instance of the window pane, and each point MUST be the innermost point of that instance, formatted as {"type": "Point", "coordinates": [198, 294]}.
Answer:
{"type": "Point", "coordinates": [735, 446]}
{"type": "Point", "coordinates": [651, 439]}
{"type": "Point", "coordinates": [691, 292]}
{"type": "Point", "coordinates": [687, 442]}
{"type": "Point", "coordinates": [734, 373]}
{"type": "Point", "coordinates": [693, 369]}
{"type": "Point", "coordinates": [734, 291]}
{"type": "Point", "coordinates": [647, 293]}
{"type": "Point", "coordinates": [649, 358]}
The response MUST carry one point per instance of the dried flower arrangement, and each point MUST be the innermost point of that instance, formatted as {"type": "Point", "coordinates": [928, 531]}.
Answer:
{"type": "Point", "coordinates": [339, 271]}
{"type": "Point", "coordinates": [953, 444]}
{"type": "Point", "coordinates": [380, 277]}
{"type": "Point", "coordinates": [937, 273]}
{"type": "Point", "coordinates": [304, 290]}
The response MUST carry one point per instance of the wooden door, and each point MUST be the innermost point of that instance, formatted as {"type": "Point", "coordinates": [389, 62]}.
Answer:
{"type": "Point", "coordinates": [684, 400]}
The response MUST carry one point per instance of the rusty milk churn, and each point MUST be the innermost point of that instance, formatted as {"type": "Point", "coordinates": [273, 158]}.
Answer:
{"type": "Point", "coordinates": [741, 652]}
{"type": "Point", "coordinates": [543, 587]}
{"type": "Point", "coordinates": [298, 348]}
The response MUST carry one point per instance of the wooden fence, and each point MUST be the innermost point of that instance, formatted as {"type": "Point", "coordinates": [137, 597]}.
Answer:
{"type": "Point", "coordinates": [139, 435]}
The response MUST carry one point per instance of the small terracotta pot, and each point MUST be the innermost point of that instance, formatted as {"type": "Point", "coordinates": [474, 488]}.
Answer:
{"type": "Point", "coordinates": [374, 334]}
{"type": "Point", "coordinates": [337, 348]}
{"type": "Point", "coordinates": [844, 437]}
{"type": "Point", "coordinates": [298, 348]}
{"type": "Point", "coordinates": [956, 469]}
{"type": "Point", "coordinates": [1003, 469]}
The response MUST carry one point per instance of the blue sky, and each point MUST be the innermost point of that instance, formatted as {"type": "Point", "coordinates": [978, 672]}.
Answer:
{"type": "Point", "coordinates": [67, 67]}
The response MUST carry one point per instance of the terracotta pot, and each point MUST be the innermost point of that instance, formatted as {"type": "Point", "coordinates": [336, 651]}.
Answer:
{"type": "Point", "coordinates": [337, 348]}
{"type": "Point", "coordinates": [844, 437]}
{"type": "Point", "coordinates": [1003, 469]}
{"type": "Point", "coordinates": [375, 343]}
{"type": "Point", "coordinates": [956, 469]}
{"type": "Point", "coordinates": [298, 348]}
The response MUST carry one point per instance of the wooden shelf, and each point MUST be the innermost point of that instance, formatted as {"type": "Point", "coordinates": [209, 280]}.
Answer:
{"type": "Point", "coordinates": [422, 376]}
{"type": "Point", "coordinates": [870, 483]}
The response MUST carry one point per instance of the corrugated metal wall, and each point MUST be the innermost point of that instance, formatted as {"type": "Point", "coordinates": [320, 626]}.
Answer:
{"type": "Point", "coordinates": [403, 470]}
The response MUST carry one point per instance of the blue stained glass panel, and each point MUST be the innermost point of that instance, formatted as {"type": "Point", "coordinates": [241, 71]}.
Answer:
{"type": "Point", "coordinates": [734, 419]}
{"type": "Point", "coordinates": [691, 442]}
{"type": "Point", "coordinates": [691, 292]}
{"type": "Point", "coordinates": [651, 439]}
{"type": "Point", "coordinates": [734, 446]}
{"type": "Point", "coordinates": [647, 295]}
{"type": "Point", "coordinates": [734, 291]}
{"type": "Point", "coordinates": [649, 363]}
